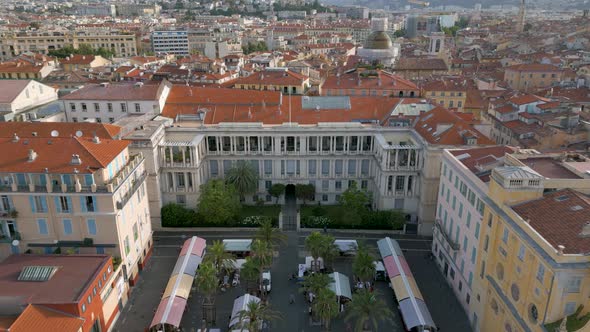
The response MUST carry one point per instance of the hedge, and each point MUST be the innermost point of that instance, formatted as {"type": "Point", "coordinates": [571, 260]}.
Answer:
{"type": "Point", "coordinates": [334, 217]}
{"type": "Point", "coordinates": [175, 215]}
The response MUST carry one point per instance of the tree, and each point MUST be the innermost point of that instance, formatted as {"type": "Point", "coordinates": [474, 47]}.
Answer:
{"type": "Point", "coordinates": [363, 266]}
{"type": "Point", "coordinates": [354, 199]}
{"type": "Point", "coordinates": [243, 177]}
{"type": "Point", "coordinates": [315, 282]}
{"type": "Point", "coordinates": [219, 257]}
{"type": "Point", "coordinates": [218, 202]}
{"type": "Point", "coordinates": [250, 273]}
{"type": "Point", "coordinates": [399, 33]}
{"type": "Point", "coordinates": [326, 306]}
{"type": "Point", "coordinates": [176, 215]}
{"type": "Point", "coordinates": [35, 25]}
{"type": "Point", "coordinates": [366, 310]}
{"type": "Point", "coordinates": [305, 192]}
{"type": "Point", "coordinates": [276, 190]}
{"type": "Point", "coordinates": [267, 233]}
{"type": "Point", "coordinates": [261, 256]}
{"type": "Point", "coordinates": [254, 315]}
{"type": "Point", "coordinates": [207, 283]}
{"type": "Point", "coordinates": [314, 243]}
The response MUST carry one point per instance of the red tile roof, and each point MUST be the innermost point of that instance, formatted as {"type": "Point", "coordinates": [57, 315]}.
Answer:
{"type": "Point", "coordinates": [78, 59]}
{"type": "Point", "coordinates": [273, 77]}
{"type": "Point", "coordinates": [36, 318]}
{"type": "Point", "coordinates": [454, 130]}
{"type": "Point", "coordinates": [525, 99]}
{"type": "Point", "coordinates": [123, 91]}
{"type": "Point", "coordinates": [421, 64]}
{"type": "Point", "coordinates": [67, 285]}
{"type": "Point", "coordinates": [559, 217]}
{"type": "Point", "coordinates": [55, 154]}
{"type": "Point", "coordinates": [380, 80]}
{"type": "Point", "coordinates": [478, 160]}
{"type": "Point", "coordinates": [64, 129]}
{"type": "Point", "coordinates": [534, 67]}
{"type": "Point", "coordinates": [20, 66]}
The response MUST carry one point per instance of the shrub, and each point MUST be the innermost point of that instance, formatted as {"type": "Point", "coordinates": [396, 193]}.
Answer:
{"type": "Point", "coordinates": [175, 215]}
{"type": "Point", "coordinates": [316, 222]}
{"type": "Point", "coordinates": [253, 221]}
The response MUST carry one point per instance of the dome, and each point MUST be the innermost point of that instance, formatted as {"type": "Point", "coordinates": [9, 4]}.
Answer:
{"type": "Point", "coordinates": [378, 40]}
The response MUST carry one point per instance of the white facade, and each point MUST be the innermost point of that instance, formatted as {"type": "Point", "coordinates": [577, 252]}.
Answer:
{"type": "Point", "coordinates": [456, 237]}
{"type": "Point", "coordinates": [30, 95]}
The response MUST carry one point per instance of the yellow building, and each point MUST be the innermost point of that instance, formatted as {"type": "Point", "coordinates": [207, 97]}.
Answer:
{"type": "Point", "coordinates": [73, 190]}
{"type": "Point", "coordinates": [533, 264]}
{"type": "Point", "coordinates": [275, 79]}
{"type": "Point", "coordinates": [526, 77]}
{"type": "Point", "coordinates": [449, 92]}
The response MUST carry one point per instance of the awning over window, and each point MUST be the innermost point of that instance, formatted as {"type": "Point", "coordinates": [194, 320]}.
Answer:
{"type": "Point", "coordinates": [340, 285]}
{"type": "Point", "coordinates": [415, 314]}
{"type": "Point", "coordinates": [169, 311]}
{"type": "Point", "coordinates": [179, 285]}
{"type": "Point", "coordinates": [190, 268]}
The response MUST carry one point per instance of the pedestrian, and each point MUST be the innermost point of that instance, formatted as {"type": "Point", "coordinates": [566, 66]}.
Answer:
{"type": "Point", "coordinates": [291, 299]}
{"type": "Point", "coordinates": [325, 229]}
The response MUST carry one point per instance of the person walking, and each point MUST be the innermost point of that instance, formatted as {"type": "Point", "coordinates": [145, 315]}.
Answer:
{"type": "Point", "coordinates": [291, 299]}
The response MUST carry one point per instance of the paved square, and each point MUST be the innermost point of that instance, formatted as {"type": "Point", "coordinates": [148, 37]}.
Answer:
{"type": "Point", "coordinates": [137, 315]}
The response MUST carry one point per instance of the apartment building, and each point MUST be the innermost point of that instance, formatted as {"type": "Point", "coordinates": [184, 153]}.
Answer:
{"type": "Point", "coordinates": [106, 102]}
{"type": "Point", "coordinates": [369, 83]}
{"type": "Point", "coordinates": [14, 43]}
{"type": "Point", "coordinates": [519, 260]}
{"type": "Point", "coordinates": [275, 79]}
{"type": "Point", "coordinates": [528, 77]}
{"type": "Point", "coordinates": [83, 62]}
{"type": "Point", "coordinates": [81, 193]}
{"type": "Point", "coordinates": [450, 92]}
{"type": "Point", "coordinates": [170, 42]}
{"type": "Point", "coordinates": [27, 67]}
{"type": "Point", "coordinates": [66, 293]}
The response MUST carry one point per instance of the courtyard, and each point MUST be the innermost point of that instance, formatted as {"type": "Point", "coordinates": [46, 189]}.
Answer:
{"type": "Point", "coordinates": [145, 297]}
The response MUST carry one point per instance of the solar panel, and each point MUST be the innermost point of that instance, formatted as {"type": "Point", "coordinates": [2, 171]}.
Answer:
{"type": "Point", "coordinates": [37, 273]}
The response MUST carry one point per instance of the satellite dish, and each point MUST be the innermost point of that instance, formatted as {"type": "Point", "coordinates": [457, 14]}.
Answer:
{"type": "Point", "coordinates": [79, 133]}
{"type": "Point", "coordinates": [15, 243]}
{"type": "Point", "coordinates": [54, 133]}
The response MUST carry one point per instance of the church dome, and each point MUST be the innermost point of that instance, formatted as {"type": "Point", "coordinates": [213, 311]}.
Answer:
{"type": "Point", "coordinates": [378, 40]}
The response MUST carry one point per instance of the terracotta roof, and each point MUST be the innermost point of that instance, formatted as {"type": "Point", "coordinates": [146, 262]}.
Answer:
{"type": "Point", "coordinates": [474, 100]}
{"type": "Point", "coordinates": [64, 129]}
{"type": "Point", "coordinates": [453, 129]}
{"type": "Point", "coordinates": [190, 95]}
{"type": "Point", "coordinates": [382, 80]}
{"type": "Point", "coordinates": [20, 66]}
{"type": "Point", "coordinates": [505, 109]}
{"type": "Point", "coordinates": [446, 84]}
{"type": "Point", "coordinates": [123, 91]}
{"type": "Point", "coordinates": [273, 77]}
{"type": "Point", "coordinates": [78, 59]}
{"type": "Point", "coordinates": [37, 318]}
{"type": "Point", "coordinates": [559, 217]}
{"type": "Point", "coordinates": [420, 64]}
{"type": "Point", "coordinates": [55, 154]}
{"type": "Point", "coordinates": [67, 285]}
{"type": "Point", "coordinates": [534, 67]}
{"type": "Point", "coordinates": [479, 160]}
{"type": "Point", "coordinates": [11, 89]}
{"type": "Point", "coordinates": [525, 99]}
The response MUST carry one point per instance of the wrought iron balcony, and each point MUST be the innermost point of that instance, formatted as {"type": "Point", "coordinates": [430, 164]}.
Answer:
{"type": "Point", "coordinates": [441, 228]}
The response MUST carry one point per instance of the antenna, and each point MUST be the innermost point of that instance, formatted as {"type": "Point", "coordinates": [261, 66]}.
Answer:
{"type": "Point", "coordinates": [54, 133]}
{"type": "Point", "coordinates": [79, 133]}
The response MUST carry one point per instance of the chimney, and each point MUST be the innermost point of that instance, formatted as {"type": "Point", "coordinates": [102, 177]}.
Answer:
{"type": "Point", "coordinates": [560, 249]}
{"type": "Point", "coordinates": [32, 155]}
{"type": "Point", "coordinates": [76, 160]}
{"type": "Point", "coordinates": [15, 138]}
{"type": "Point", "coordinates": [585, 230]}
{"type": "Point", "coordinates": [96, 139]}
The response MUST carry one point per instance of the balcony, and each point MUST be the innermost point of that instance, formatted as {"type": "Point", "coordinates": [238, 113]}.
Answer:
{"type": "Point", "coordinates": [441, 228]}
{"type": "Point", "coordinates": [125, 172]}
{"type": "Point", "coordinates": [136, 183]}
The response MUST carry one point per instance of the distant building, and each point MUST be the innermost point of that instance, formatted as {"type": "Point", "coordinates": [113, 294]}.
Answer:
{"type": "Point", "coordinates": [369, 83]}
{"type": "Point", "coordinates": [378, 48]}
{"type": "Point", "coordinates": [20, 99]}
{"type": "Point", "coordinates": [170, 42]}
{"type": "Point", "coordinates": [417, 26]}
{"type": "Point", "coordinates": [82, 62]}
{"type": "Point", "coordinates": [136, 9]}
{"type": "Point", "coordinates": [527, 77]}
{"type": "Point", "coordinates": [220, 49]}
{"type": "Point", "coordinates": [275, 79]}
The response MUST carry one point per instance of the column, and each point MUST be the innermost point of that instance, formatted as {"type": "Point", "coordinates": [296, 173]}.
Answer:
{"type": "Point", "coordinates": [183, 157]}
{"type": "Point", "coordinates": [396, 155]}
{"type": "Point", "coordinates": [184, 175]}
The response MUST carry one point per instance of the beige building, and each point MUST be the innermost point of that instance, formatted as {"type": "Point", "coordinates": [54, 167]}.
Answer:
{"type": "Point", "coordinates": [526, 77]}
{"type": "Point", "coordinates": [12, 43]}
{"type": "Point", "coordinates": [82, 62]}
{"type": "Point", "coordinates": [80, 193]}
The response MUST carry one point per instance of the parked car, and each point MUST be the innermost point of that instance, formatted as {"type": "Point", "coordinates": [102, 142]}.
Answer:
{"type": "Point", "coordinates": [266, 281]}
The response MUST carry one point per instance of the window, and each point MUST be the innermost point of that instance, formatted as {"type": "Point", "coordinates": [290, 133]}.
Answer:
{"type": "Point", "coordinates": [137, 108]}
{"type": "Point", "coordinates": [461, 212]}
{"type": "Point", "coordinates": [573, 284]}
{"type": "Point", "coordinates": [505, 235]}
{"type": "Point", "coordinates": [123, 107]}
{"type": "Point", "coordinates": [42, 225]}
{"type": "Point", "coordinates": [570, 308]}
{"type": "Point", "coordinates": [325, 167]}
{"type": "Point", "coordinates": [325, 198]}
{"type": "Point", "coordinates": [352, 167]}
{"type": "Point", "coordinates": [89, 299]}
{"type": "Point", "coordinates": [111, 120]}
{"type": "Point", "coordinates": [473, 254]}
{"type": "Point", "coordinates": [63, 204]}
{"type": "Point", "coordinates": [126, 244]}
{"type": "Point", "coordinates": [454, 202]}
{"type": "Point", "coordinates": [465, 243]}
{"type": "Point", "coordinates": [181, 199]}
{"type": "Point", "coordinates": [91, 224]}
{"type": "Point", "coordinates": [38, 204]}
{"type": "Point", "coordinates": [268, 167]}
{"type": "Point", "coordinates": [477, 230]}
{"type": "Point", "coordinates": [67, 223]}
{"type": "Point", "coordinates": [83, 308]}
{"type": "Point", "coordinates": [483, 270]}
{"type": "Point", "coordinates": [521, 251]}
{"type": "Point", "coordinates": [72, 107]}
{"type": "Point", "coordinates": [96, 107]}
{"type": "Point", "coordinates": [135, 232]}
{"type": "Point", "coordinates": [338, 185]}
{"type": "Point", "coordinates": [74, 119]}
{"type": "Point", "coordinates": [365, 167]}
{"type": "Point", "coordinates": [88, 204]}
{"type": "Point", "coordinates": [110, 107]}
{"type": "Point", "coordinates": [541, 272]}
{"type": "Point", "coordinates": [486, 243]}
{"type": "Point", "coordinates": [84, 107]}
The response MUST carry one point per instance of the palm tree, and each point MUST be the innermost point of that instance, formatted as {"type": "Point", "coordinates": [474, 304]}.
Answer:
{"type": "Point", "coordinates": [243, 177]}
{"type": "Point", "coordinates": [207, 284]}
{"type": "Point", "coordinates": [250, 272]}
{"type": "Point", "coordinates": [326, 306]}
{"type": "Point", "coordinates": [252, 317]}
{"type": "Point", "coordinates": [315, 282]}
{"type": "Point", "coordinates": [266, 232]}
{"type": "Point", "coordinates": [261, 255]}
{"type": "Point", "coordinates": [363, 266]}
{"type": "Point", "coordinates": [221, 259]}
{"type": "Point", "coordinates": [315, 244]}
{"type": "Point", "coordinates": [365, 309]}
{"type": "Point", "coordinates": [329, 251]}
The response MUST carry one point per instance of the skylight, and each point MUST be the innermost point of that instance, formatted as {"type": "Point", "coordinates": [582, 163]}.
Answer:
{"type": "Point", "coordinates": [37, 273]}
{"type": "Point", "coordinates": [561, 198]}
